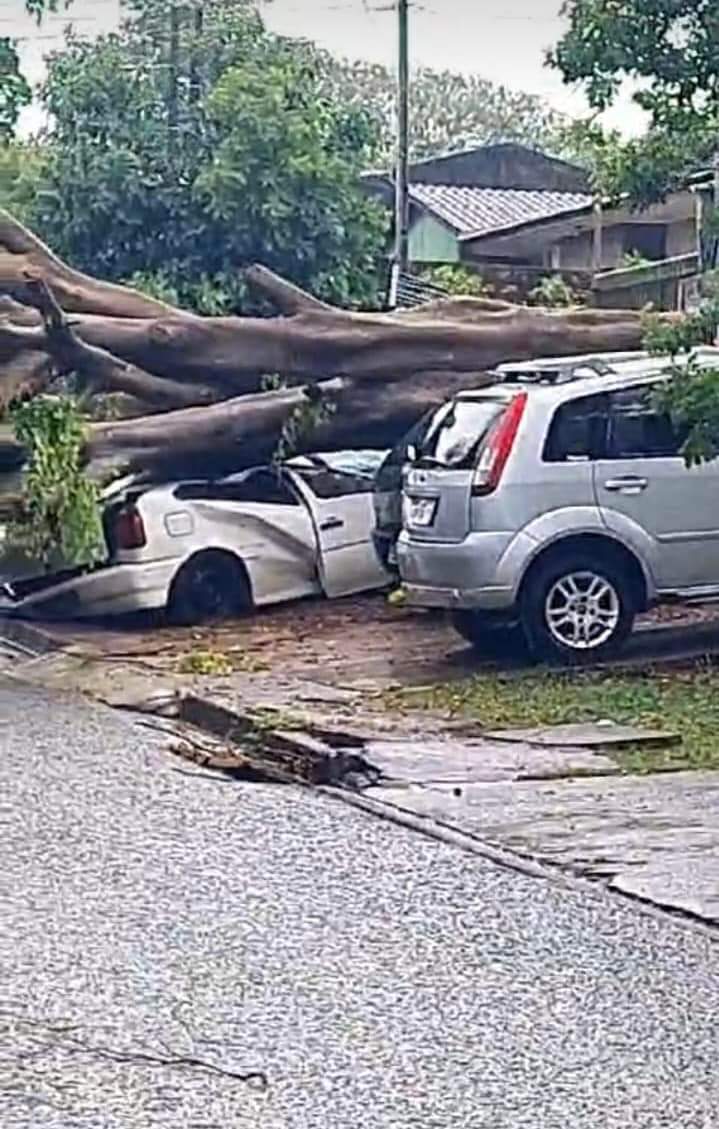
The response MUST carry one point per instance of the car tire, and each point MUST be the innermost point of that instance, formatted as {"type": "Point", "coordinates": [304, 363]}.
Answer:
{"type": "Point", "coordinates": [577, 608]}
{"type": "Point", "coordinates": [484, 631]}
{"type": "Point", "coordinates": [209, 587]}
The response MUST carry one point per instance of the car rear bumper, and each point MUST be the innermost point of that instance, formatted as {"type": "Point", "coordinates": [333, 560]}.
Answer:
{"type": "Point", "coordinates": [483, 571]}
{"type": "Point", "coordinates": [489, 599]}
{"type": "Point", "coordinates": [115, 590]}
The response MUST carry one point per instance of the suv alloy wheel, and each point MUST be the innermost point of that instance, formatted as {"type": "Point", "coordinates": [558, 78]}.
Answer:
{"type": "Point", "coordinates": [577, 608]}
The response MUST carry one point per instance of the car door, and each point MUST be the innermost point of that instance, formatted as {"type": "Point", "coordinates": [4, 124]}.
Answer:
{"type": "Point", "coordinates": [260, 516]}
{"type": "Point", "coordinates": [342, 511]}
{"type": "Point", "coordinates": [649, 496]}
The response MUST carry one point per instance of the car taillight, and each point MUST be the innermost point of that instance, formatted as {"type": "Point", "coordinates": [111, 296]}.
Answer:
{"type": "Point", "coordinates": [129, 529]}
{"type": "Point", "coordinates": [497, 447]}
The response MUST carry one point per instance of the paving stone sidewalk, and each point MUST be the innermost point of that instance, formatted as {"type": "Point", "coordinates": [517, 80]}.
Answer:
{"type": "Point", "coordinates": [655, 837]}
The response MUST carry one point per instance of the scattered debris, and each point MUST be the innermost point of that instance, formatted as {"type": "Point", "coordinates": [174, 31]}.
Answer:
{"type": "Point", "coordinates": [265, 745]}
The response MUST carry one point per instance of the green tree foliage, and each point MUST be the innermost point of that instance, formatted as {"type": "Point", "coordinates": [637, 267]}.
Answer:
{"type": "Point", "coordinates": [671, 49]}
{"type": "Point", "coordinates": [15, 92]}
{"type": "Point", "coordinates": [20, 174]}
{"type": "Point", "coordinates": [182, 155]}
{"type": "Point", "coordinates": [60, 523]}
{"type": "Point", "coordinates": [692, 396]}
{"type": "Point", "coordinates": [449, 111]}
{"type": "Point", "coordinates": [456, 278]}
{"type": "Point", "coordinates": [552, 291]}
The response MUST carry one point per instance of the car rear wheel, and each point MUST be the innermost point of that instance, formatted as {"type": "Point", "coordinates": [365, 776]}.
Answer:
{"type": "Point", "coordinates": [210, 586]}
{"type": "Point", "coordinates": [577, 608]}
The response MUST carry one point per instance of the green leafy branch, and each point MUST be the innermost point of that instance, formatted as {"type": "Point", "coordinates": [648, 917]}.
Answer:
{"type": "Point", "coordinates": [302, 422]}
{"type": "Point", "coordinates": [60, 522]}
{"type": "Point", "coordinates": [691, 397]}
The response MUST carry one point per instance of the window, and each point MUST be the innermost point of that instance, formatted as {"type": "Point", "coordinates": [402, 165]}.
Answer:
{"type": "Point", "coordinates": [577, 431]}
{"type": "Point", "coordinates": [456, 433]}
{"type": "Point", "coordinates": [264, 486]}
{"type": "Point", "coordinates": [637, 430]}
{"type": "Point", "coordinates": [647, 240]}
{"type": "Point", "coordinates": [326, 483]}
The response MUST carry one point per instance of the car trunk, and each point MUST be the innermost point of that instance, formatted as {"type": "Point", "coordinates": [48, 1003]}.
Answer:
{"type": "Point", "coordinates": [439, 485]}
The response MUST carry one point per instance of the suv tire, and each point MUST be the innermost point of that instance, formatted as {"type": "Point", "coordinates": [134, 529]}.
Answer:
{"type": "Point", "coordinates": [577, 608]}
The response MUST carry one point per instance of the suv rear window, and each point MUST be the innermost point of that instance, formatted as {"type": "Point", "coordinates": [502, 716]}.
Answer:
{"type": "Point", "coordinates": [455, 435]}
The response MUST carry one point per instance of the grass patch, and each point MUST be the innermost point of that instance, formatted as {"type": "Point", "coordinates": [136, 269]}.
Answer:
{"type": "Point", "coordinates": [220, 664]}
{"type": "Point", "coordinates": [684, 700]}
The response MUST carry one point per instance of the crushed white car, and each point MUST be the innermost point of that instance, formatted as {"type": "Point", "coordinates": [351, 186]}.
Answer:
{"type": "Point", "coordinates": [203, 550]}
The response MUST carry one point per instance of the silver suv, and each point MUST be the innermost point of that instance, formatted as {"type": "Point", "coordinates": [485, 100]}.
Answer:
{"type": "Point", "coordinates": [558, 497]}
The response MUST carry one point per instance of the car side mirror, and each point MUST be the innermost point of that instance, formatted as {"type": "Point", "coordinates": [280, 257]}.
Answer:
{"type": "Point", "coordinates": [412, 453]}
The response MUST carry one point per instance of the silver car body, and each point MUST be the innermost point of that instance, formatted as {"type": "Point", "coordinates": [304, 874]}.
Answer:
{"type": "Point", "coordinates": [458, 550]}
{"type": "Point", "coordinates": [293, 541]}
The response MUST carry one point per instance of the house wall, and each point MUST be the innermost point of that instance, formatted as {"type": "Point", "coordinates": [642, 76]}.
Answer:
{"type": "Point", "coordinates": [575, 252]}
{"type": "Point", "coordinates": [656, 283]}
{"type": "Point", "coordinates": [431, 242]}
{"type": "Point", "coordinates": [681, 238]}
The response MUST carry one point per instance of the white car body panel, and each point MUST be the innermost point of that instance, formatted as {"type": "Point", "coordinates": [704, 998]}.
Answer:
{"type": "Point", "coordinates": [309, 546]}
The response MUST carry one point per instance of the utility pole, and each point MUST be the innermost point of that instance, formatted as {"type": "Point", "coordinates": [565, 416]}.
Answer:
{"type": "Point", "coordinates": [401, 176]}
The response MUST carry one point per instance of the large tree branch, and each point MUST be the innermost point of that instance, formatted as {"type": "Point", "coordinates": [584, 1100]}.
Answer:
{"type": "Point", "coordinates": [22, 252]}
{"type": "Point", "coordinates": [235, 351]}
{"type": "Point", "coordinates": [24, 375]}
{"type": "Point", "coordinates": [234, 433]}
{"type": "Point", "coordinates": [288, 298]}
{"type": "Point", "coordinates": [99, 368]}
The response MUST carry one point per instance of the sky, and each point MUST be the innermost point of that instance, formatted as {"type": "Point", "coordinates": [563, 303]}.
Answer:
{"type": "Point", "coordinates": [503, 41]}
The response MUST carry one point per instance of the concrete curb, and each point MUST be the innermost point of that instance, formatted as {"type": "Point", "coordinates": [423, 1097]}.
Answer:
{"type": "Point", "coordinates": [32, 640]}
{"type": "Point", "coordinates": [531, 868]}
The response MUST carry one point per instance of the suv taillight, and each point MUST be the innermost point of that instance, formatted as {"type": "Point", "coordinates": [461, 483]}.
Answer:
{"type": "Point", "coordinates": [497, 447]}
{"type": "Point", "coordinates": [129, 529]}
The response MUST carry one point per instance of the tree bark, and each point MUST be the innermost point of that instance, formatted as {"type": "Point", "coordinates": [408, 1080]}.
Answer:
{"type": "Point", "coordinates": [383, 370]}
{"type": "Point", "coordinates": [23, 254]}
{"type": "Point", "coordinates": [234, 352]}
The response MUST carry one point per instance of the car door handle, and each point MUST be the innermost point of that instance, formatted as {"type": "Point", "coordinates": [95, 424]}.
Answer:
{"type": "Point", "coordinates": [626, 484]}
{"type": "Point", "coordinates": [331, 523]}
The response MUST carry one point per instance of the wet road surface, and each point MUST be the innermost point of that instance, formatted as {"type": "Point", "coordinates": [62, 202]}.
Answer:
{"type": "Point", "coordinates": [378, 977]}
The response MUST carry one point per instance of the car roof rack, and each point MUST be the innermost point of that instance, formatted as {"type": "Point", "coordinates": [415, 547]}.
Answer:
{"type": "Point", "coordinates": [561, 370]}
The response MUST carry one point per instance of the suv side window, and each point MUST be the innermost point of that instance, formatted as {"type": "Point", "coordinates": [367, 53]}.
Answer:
{"type": "Point", "coordinates": [577, 431]}
{"type": "Point", "coordinates": [637, 430]}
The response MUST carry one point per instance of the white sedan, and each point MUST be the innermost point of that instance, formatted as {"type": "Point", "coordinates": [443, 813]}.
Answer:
{"type": "Point", "coordinates": [213, 549]}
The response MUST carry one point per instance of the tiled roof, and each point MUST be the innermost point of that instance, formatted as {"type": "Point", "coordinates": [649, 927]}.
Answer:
{"type": "Point", "coordinates": [479, 211]}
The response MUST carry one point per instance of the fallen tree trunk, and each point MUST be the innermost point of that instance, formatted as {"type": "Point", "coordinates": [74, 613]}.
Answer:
{"type": "Point", "coordinates": [246, 430]}
{"type": "Point", "coordinates": [382, 370]}
{"type": "Point", "coordinates": [233, 352]}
